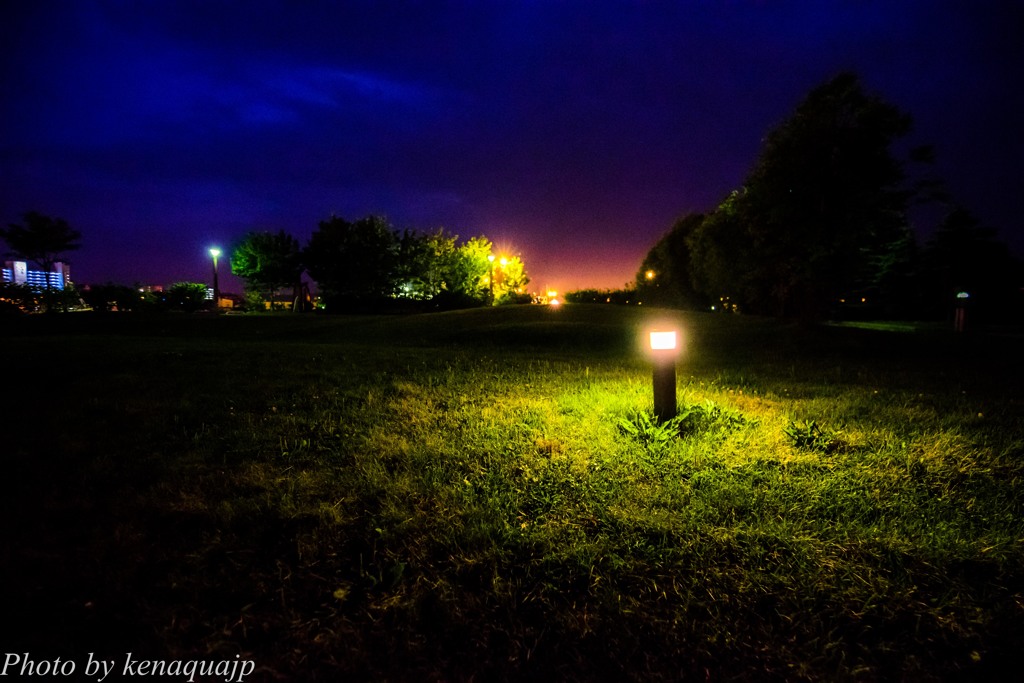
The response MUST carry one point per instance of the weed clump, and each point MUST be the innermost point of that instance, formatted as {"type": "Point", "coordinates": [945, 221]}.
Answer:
{"type": "Point", "coordinates": [707, 421]}
{"type": "Point", "coordinates": [811, 436]}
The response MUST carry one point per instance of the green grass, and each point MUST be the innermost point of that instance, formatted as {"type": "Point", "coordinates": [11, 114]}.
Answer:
{"type": "Point", "coordinates": [482, 494]}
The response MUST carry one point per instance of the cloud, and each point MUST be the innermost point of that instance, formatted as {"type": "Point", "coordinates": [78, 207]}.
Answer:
{"type": "Point", "coordinates": [115, 83]}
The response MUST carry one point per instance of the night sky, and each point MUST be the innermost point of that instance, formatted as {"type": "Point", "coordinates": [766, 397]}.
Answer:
{"type": "Point", "coordinates": [570, 133]}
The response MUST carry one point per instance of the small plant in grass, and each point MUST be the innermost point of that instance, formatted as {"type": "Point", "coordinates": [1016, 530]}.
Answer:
{"type": "Point", "coordinates": [707, 418]}
{"type": "Point", "coordinates": [809, 435]}
{"type": "Point", "coordinates": [645, 429]}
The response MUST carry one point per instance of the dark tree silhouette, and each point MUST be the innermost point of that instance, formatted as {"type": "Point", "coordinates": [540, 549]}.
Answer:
{"type": "Point", "coordinates": [366, 265]}
{"type": "Point", "coordinates": [268, 262]}
{"type": "Point", "coordinates": [666, 274]}
{"type": "Point", "coordinates": [823, 202]}
{"type": "Point", "coordinates": [354, 263]}
{"type": "Point", "coordinates": [186, 296]}
{"type": "Point", "coordinates": [965, 257]}
{"type": "Point", "coordinates": [42, 240]}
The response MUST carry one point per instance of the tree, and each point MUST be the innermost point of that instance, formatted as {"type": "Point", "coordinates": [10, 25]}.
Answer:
{"type": "Point", "coordinates": [965, 257]}
{"type": "Point", "coordinates": [268, 262]}
{"type": "Point", "coordinates": [426, 264]}
{"type": "Point", "coordinates": [365, 264]}
{"type": "Point", "coordinates": [510, 281]}
{"type": "Point", "coordinates": [722, 265]}
{"type": "Point", "coordinates": [666, 274]}
{"type": "Point", "coordinates": [471, 271]}
{"type": "Point", "coordinates": [823, 201]}
{"type": "Point", "coordinates": [42, 240]}
{"type": "Point", "coordinates": [186, 296]}
{"type": "Point", "coordinates": [103, 298]}
{"type": "Point", "coordinates": [355, 263]}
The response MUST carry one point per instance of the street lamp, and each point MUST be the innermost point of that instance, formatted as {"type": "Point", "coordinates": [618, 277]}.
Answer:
{"type": "Point", "coordinates": [664, 348]}
{"type": "Point", "coordinates": [215, 252]}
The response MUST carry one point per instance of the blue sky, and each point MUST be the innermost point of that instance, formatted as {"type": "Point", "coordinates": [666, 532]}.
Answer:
{"type": "Point", "coordinates": [570, 133]}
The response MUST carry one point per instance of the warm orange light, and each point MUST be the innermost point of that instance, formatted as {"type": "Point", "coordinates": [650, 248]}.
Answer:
{"type": "Point", "coordinates": [555, 302]}
{"type": "Point", "coordinates": [650, 274]}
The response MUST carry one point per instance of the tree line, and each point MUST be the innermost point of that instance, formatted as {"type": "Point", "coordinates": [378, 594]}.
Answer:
{"type": "Point", "coordinates": [364, 264]}
{"type": "Point", "coordinates": [367, 264]}
{"type": "Point", "coordinates": [820, 227]}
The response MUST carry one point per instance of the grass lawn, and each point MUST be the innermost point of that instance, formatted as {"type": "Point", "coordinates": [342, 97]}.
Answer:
{"type": "Point", "coordinates": [482, 495]}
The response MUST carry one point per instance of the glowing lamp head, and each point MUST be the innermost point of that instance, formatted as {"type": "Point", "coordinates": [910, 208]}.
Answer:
{"type": "Point", "coordinates": [663, 340]}
{"type": "Point", "coordinates": [490, 257]}
{"type": "Point", "coordinates": [662, 343]}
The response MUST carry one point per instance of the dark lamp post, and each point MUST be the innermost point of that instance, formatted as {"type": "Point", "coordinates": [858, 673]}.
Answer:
{"type": "Point", "coordinates": [960, 319]}
{"type": "Point", "coordinates": [215, 252]}
{"type": "Point", "coordinates": [664, 347]}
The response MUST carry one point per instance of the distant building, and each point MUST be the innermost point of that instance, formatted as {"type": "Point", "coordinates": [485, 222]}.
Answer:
{"type": "Point", "coordinates": [17, 273]}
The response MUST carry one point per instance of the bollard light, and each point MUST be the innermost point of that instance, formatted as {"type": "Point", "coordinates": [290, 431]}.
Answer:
{"type": "Point", "coordinates": [664, 348]}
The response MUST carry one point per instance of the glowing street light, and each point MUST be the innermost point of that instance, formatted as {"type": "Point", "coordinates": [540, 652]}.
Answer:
{"type": "Point", "coordinates": [215, 252]}
{"type": "Point", "coordinates": [664, 348]}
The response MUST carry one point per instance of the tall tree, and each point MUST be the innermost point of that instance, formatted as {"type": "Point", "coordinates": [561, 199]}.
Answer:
{"type": "Point", "coordinates": [354, 263]}
{"type": "Point", "coordinates": [42, 240]}
{"type": "Point", "coordinates": [666, 274]}
{"type": "Point", "coordinates": [425, 264]}
{"type": "Point", "coordinates": [268, 262]}
{"type": "Point", "coordinates": [965, 257]}
{"type": "Point", "coordinates": [472, 269]}
{"type": "Point", "coordinates": [823, 201]}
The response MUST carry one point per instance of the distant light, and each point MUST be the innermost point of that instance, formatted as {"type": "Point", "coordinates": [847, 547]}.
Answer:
{"type": "Point", "coordinates": [663, 340]}
{"type": "Point", "coordinates": [552, 293]}
{"type": "Point", "coordinates": [214, 252]}
{"type": "Point", "coordinates": [503, 261]}
{"type": "Point", "coordinates": [649, 274]}
{"type": "Point", "coordinates": [555, 302]}
{"type": "Point", "coordinates": [963, 295]}
{"type": "Point", "coordinates": [490, 257]}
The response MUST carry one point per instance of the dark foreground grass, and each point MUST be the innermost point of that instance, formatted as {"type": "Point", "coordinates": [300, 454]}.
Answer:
{"type": "Point", "coordinates": [479, 495]}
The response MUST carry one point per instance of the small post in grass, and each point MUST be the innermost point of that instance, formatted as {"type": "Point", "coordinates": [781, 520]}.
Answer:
{"type": "Point", "coordinates": [664, 350]}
